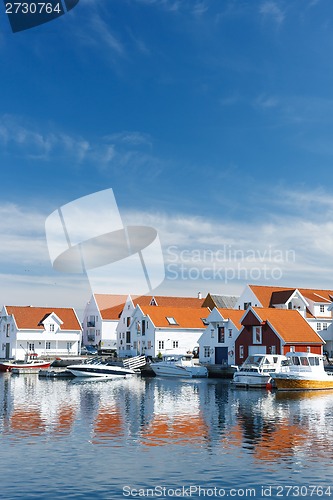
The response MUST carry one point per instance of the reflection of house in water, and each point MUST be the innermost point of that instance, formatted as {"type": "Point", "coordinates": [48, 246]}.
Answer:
{"type": "Point", "coordinates": [177, 417]}
{"type": "Point", "coordinates": [109, 423]}
{"type": "Point", "coordinates": [281, 426]}
{"type": "Point", "coordinates": [31, 412]}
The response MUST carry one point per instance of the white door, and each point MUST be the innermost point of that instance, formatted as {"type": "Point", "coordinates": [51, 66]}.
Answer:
{"type": "Point", "coordinates": [257, 349]}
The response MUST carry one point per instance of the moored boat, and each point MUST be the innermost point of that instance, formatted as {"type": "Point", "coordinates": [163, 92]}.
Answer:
{"type": "Point", "coordinates": [303, 371]}
{"type": "Point", "coordinates": [97, 368]}
{"type": "Point", "coordinates": [179, 365]}
{"type": "Point", "coordinates": [30, 362]}
{"type": "Point", "coordinates": [257, 369]}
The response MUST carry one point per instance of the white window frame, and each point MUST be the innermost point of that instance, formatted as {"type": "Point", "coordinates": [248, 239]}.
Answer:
{"type": "Point", "coordinates": [206, 351]}
{"type": "Point", "coordinates": [257, 335]}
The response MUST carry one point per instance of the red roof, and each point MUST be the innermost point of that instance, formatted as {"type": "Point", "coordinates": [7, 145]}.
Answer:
{"type": "Point", "coordinates": [29, 317]}
{"type": "Point", "coordinates": [266, 293]}
{"type": "Point", "coordinates": [289, 324]}
{"type": "Point", "coordinates": [111, 306]}
{"type": "Point", "coordinates": [185, 317]}
{"type": "Point", "coordinates": [234, 314]}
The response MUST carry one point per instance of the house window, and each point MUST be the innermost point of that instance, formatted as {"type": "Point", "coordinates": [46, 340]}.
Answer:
{"type": "Point", "coordinates": [206, 351]}
{"type": "Point", "coordinates": [324, 326]}
{"type": "Point", "coordinates": [52, 327]}
{"type": "Point", "coordinates": [47, 345]}
{"type": "Point", "coordinates": [135, 345]}
{"type": "Point", "coordinates": [322, 308]}
{"type": "Point", "coordinates": [143, 327]}
{"type": "Point", "coordinates": [273, 349]}
{"type": "Point", "coordinates": [220, 332]}
{"type": "Point", "coordinates": [171, 320]}
{"type": "Point", "coordinates": [161, 344]}
{"type": "Point", "coordinates": [149, 344]}
{"type": "Point", "coordinates": [318, 327]}
{"type": "Point", "coordinates": [69, 346]}
{"type": "Point", "coordinates": [128, 321]}
{"type": "Point", "coordinates": [7, 330]}
{"type": "Point", "coordinates": [128, 337]}
{"type": "Point", "coordinates": [212, 333]}
{"type": "Point", "coordinates": [230, 333]}
{"type": "Point", "coordinates": [175, 344]}
{"type": "Point", "coordinates": [91, 321]}
{"type": "Point", "coordinates": [247, 305]}
{"type": "Point", "coordinates": [31, 347]}
{"type": "Point", "coordinates": [241, 351]}
{"type": "Point", "coordinates": [257, 335]}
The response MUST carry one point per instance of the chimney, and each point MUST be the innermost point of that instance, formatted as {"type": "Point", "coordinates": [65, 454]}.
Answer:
{"type": "Point", "coordinates": [199, 295]}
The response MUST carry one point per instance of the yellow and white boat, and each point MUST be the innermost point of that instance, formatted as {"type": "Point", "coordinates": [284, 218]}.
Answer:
{"type": "Point", "coordinates": [302, 371]}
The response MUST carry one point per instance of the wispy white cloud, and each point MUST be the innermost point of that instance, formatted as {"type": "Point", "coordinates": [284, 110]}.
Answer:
{"type": "Point", "coordinates": [266, 101]}
{"type": "Point", "coordinates": [271, 10]}
{"type": "Point", "coordinates": [25, 139]}
{"type": "Point", "coordinates": [29, 140]}
{"type": "Point", "coordinates": [103, 32]}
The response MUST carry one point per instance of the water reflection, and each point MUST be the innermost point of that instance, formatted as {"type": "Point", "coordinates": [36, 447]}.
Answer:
{"type": "Point", "coordinates": [148, 413]}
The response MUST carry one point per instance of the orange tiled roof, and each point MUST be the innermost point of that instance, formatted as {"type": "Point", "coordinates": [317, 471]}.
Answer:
{"type": "Point", "coordinates": [290, 325]}
{"type": "Point", "coordinates": [185, 317]}
{"type": "Point", "coordinates": [234, 314]}
{"type": "Point", "coordinates": [111, 306]}
{"type": "Point", "coordinates": [264, 294]}
{"type": "Point", "coordinates": [29, 317]}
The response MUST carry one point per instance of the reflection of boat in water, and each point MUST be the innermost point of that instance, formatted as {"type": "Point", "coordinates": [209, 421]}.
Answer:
{"type": "Point", "coordinates": [304, 371]}
{"type": "Point", "coordinates": [95, 367]}
{"type": "Point", "coordinates": [178, 365]}
{"type": "Point", "coordinates": [29, 362]}
{"type": "Point", "coordinates": [256, 370]}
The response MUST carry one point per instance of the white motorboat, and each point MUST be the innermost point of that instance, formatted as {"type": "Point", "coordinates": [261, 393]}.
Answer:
{"type": "Point", "coordinates": [97, 368]}
{"type": "Point", "coordinates": [257, 369]}
{"type": "Point", "coordinates": [178, 365]}
{"type": "Point", "coordinates": [303, 371]}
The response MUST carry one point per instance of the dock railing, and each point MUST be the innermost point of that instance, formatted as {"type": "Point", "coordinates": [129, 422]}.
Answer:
{"type": "Point", "coordinates": [135, 362]}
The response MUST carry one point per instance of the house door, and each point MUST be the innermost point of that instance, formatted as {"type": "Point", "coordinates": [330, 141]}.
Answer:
{"type": "Point", "coordinates": [7, 350]}
{"type": "Point", "coordinates": [221, 355]}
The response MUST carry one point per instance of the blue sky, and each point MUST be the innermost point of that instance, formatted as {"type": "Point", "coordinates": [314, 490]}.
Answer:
{"type": "Point", "coordinates": [211, 121]}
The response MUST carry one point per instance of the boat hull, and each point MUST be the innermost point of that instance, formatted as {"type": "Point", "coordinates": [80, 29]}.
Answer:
{"type": "Point", "coordinates": [301, 384]}
{"type": "Point", "coordinates": [100, 371]}
{"type": "Point", "coordinates": [251, 380]}
{"type": "Point", "coordinates": [179, 371]}
{"type": "Point", "coordinates": [7, 366]}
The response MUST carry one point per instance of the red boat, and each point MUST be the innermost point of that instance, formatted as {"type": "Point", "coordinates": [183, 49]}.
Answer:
{"type": "Point", "coordinates": [30, 361]}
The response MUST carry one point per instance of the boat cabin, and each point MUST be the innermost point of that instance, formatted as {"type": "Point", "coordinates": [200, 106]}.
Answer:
{"type": "Point", "coordinates": [262, 363]}
{"type": "Point", "coordinates": [302, 361]}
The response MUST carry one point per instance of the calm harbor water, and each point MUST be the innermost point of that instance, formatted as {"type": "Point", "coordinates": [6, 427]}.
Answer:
{"type": "Point", "coordinates": [154, 438]}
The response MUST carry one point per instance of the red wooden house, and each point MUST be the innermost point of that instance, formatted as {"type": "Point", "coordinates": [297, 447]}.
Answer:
{"type": "Point", "coordinates": [275, 331]}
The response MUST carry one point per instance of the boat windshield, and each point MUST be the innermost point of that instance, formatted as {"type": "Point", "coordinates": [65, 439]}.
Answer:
{"type": "Point", "coordinates": [304, 361]}
{"type": "Point", "coordinates": [253, 360]}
